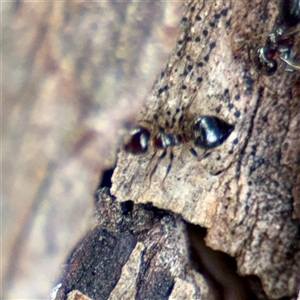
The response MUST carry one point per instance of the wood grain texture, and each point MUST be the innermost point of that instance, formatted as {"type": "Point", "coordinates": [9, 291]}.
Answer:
{"type": "Point", "coordinates": [246, 192]}
{"type": "Point", "coordinates": [133, 252]}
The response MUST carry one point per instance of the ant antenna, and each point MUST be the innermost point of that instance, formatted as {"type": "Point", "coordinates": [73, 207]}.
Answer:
{"type": "Point", "coordinates": [292, 63]}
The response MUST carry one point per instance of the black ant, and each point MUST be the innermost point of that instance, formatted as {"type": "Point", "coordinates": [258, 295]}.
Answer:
{"type": "Point", "coordinates": [281, 39]}
{"type": "Point", "coordinates": [206, 132]}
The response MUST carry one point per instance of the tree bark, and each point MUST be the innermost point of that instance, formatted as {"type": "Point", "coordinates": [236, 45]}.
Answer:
{"type": "Point", "coordinates": [75, 74]}
{"type": "Point", "coordinates": [246, 191]}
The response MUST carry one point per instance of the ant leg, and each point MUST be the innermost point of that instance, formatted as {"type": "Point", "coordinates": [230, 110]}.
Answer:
{"type": "Point", "coordinates": [206, 154]}
{"type": "Point", "coordinates": [203, 156]}
{"type": "Point", "coordinates": [293, 64]}
{"type": "Point", "coordinates": [193, 151]}
{"type": "Point", "coordinates": [168, 168]}
{"type": "Point", "coordinates": [151, 159]}
{"type": "Point", "coordinates": [174, 117]}
{"type": "Point", "coordinates": [180, 120]}
{"type": "Point", "coordinates": [161, 157]}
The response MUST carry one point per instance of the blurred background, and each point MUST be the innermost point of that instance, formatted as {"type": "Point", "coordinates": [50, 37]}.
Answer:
{"type": "Point", "coordinates": [75, 74]}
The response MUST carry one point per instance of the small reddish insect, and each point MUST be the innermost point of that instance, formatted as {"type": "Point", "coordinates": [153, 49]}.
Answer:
{"type": "Point", "coordinates": [280, 41]}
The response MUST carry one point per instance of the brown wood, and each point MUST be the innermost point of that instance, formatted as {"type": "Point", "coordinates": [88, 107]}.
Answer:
{"type": "Point", "coordinates": [133, 252]}
{"type": "Point", "coordinates": [246, 191]}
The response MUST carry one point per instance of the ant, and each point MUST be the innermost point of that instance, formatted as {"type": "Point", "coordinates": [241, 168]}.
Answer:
{"type": "Point", "coordinates": [207, 132]}
{"type": "Point", "coordinates": [281, 39]}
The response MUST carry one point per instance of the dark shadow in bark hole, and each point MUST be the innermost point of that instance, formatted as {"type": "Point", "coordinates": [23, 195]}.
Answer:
{"type": "Point", "coordinates": [127, 207]}
{"type": "Point", "coordinates": [105, 178]}
{"type": "Point", "coordinates": [220, 270]}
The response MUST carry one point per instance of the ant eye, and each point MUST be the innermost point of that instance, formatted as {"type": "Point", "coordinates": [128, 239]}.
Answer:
{"type": "Point", "coordinates": [289, 12]}
{"type": "Point", "coordinates": [210, 132]}
{"type": "Point", "coordinates": [138, 141]}
{"type": "Point", "coordinates": [263, 63]}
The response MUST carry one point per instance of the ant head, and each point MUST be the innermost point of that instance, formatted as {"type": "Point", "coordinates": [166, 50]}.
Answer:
{"type": "Point", "coordinates": [210, 132]}
{"type": "Point", "coordinates": [263, 62]}
{"type": "Point", "coordinates": [138, 141]}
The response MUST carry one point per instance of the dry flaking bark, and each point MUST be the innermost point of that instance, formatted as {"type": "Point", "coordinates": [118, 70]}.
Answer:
{"type": "Point", "coordinates": [247, 191]}
{"type": "Point", "coordinates": [133, 252]}
{"type": "Point", "coordinates": [77, 295]}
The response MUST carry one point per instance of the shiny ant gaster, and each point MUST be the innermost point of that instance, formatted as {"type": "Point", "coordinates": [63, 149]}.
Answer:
{"type": "Point", "coordinates": [206, 132]}
{"type": "Point", "coordinates": [281, 39]}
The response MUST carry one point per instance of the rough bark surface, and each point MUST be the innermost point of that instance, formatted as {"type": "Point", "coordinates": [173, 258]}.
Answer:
{"type": "Point", "coordinates": [133, 252]}
{"type": "Point", "coordinates": [246, 192]}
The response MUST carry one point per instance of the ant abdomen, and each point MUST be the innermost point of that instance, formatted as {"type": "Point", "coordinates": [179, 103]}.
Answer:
{"type": "Point", "coordinates": [210, 132]}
